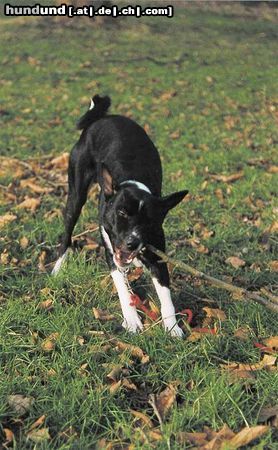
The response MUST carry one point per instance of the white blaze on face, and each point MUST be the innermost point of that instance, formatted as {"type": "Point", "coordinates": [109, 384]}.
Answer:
{"type": "Point", "coordinates": [132, 321]}
{"type": "Point", "coordinates": [167, 309]}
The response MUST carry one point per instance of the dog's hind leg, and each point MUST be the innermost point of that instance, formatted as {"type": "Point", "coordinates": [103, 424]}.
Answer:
{"type": "Point", "coordinates": [80, 177]}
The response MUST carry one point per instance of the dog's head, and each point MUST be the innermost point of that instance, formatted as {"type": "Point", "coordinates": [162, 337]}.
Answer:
{"type": "Point", "coordinates": [131, 216]}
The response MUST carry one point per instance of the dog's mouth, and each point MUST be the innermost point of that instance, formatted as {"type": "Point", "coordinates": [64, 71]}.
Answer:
{"type": "Point", "coordinates": [123, 258]}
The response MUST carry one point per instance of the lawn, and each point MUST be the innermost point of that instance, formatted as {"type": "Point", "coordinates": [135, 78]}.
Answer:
{"type": "Point", "coordinates": [203, 84]}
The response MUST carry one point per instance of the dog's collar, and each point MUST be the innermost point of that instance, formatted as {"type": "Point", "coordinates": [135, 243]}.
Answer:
{"type": "Point", "coordinates": [138, 184]}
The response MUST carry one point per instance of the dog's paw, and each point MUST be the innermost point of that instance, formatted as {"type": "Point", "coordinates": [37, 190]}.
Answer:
{"type": "Point", "coordinates": [133, 324]}
{"type": "Point", "coordinates": [174, 330]}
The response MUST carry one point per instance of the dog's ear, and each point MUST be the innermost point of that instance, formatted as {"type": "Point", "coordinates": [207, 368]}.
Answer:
{"type": "Point", "coordinates": [170, 201]}
{"type": "Point", "coordinates": [107, 181]}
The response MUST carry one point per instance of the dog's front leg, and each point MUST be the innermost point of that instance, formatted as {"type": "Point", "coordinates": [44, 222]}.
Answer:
{"type": "Point", "coordinates": [167, 309]}
{"type": "Point", "coordinates": [132, 321]}
{"type": "Point", "coordinates": [161, 281]}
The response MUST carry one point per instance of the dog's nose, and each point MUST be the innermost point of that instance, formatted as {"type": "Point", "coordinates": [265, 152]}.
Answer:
{"type": "Point", "coordinates": [133, 243]}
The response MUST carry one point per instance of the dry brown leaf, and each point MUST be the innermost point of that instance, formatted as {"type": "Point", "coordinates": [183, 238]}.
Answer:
{"type": "Point", "coordinates": [243, 333]}
{"type": "Point", "coordinates": [143, 419]}
{"type": "Point", "coordinates": [271, 342]}
{"type": "Point", "coordinates": [46, 304]}
{"type": "Point", "coordinates": [197, 438]}
{"type": "Point", "coordinates": [20, 404]}
{"type": "Point", "coordinates": [164, 401]}
{"type": "Point", "coordinates": [273, 265]}
{"type": "Point", "coordinates": [9, 436]}
{"type": "Point", "coordinates": [269, 414]}
{"type": "Point", "coordinates": [11, 167]}
{"type": "Point", "coordinates": [101, 314]}
{"type": "Point", "coordinates": [129, 385]}
{"type": "Point", "coordinates": [246, 435]}
{"type": "Point", "coordinates": [23, 242]}
{"type": "Point", "coordinates": [5, 257]}
{"type": "Point", "coordinates": [29, 203]}
{"type": "Point", "coordinates": [267, 361]}
{"type": "Point", "coordinates": [115, 373]}
{"type": "Point", "coordinates": [228, 178]}
{"type": "Point", "coordinates": [167, 95]}
{"type": "Point", "coordinates": [6, 219]}
{"type": "Point", "coordinates": [137, 352]}
{"type": "Point", "coordinates": [273, 169]}
{"type": "Point", "coordinates": [215, 313]}
{"type": "Point", "coordinates": [239, 375]}
{"type": "Point", "coordinates": [38, 422]}
{"type": "Point", "coordinates": [48, 344]}
{"type": "Point", "coordinates": [114, 387]}
{"type": "Point", "coordinates": [40, 435]}
{"type": "Point", "coordinates": [60, 162]}
{"type": "Point", "coordinates": [30, 184]}
{"type": "Point", "coordinates": [235, 262]}
{"type": "Point", "coordinates": [42, 260]}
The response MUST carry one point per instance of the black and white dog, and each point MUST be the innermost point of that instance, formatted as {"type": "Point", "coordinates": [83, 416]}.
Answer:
{"type": "Point", "coordinates": [116, 152]}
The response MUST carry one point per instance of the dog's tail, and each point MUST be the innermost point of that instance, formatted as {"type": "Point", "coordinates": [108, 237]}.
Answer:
{"type": "Point", "coordinates": [99, 107]}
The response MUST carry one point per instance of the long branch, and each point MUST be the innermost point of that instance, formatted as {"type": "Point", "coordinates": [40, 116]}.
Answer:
{"type": "Point", "coordinates": [240, 292]}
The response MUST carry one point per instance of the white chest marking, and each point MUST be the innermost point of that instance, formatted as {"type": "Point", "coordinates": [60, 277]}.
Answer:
{"type": "Point", "coordinates": [92, 104]}
{"type": "Point", "coordinates": [167, 309]}
{"type": "Point", "coordinates": [138, 184]}
{"type": "Point", "coordinates": [106, 239]}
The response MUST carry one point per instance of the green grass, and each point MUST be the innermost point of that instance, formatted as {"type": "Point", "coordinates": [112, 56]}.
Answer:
{"type": "Point", "coordinates": [220, 66]}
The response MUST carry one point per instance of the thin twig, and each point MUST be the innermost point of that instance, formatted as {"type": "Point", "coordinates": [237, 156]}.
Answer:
{"type": "Point", "coordinates": [240, 292]}
{"type": "Point", "coordinates": [85, 232]}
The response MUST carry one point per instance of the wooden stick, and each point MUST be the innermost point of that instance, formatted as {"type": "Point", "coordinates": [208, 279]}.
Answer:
{"type": "Point", "coordinates": [240, 292]}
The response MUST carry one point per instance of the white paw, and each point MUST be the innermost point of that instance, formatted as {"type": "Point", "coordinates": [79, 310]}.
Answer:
{"type": "Point", "coordinates": [133, 324]}
{"type": "Point", "coordinates": [174, 330]}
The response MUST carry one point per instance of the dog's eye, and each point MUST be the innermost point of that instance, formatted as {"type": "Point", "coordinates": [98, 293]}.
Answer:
{"type": "Point", "coordinates": [122, 213]}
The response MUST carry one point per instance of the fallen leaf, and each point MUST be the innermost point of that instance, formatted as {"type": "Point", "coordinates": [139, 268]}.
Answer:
{"type": "Point", "coordinates": [46, 304]}
{"type": "Point", "coordinates": [243, 333]}
{"type": "Point", "coordinates": [42, 260]}
{"type": "Point", "coordinates": [115, 373]}
{"type": "Point", "coordinates": [246, 435]}
{"type": "Point", "coordinates": [6, 219]}
{"type": "Point", "coordinates": [9, 436]}
{"type": "Point", "coordinates": [38, 422]}
{"type": "Point", "coordinates": [101, 314]}
{"type": "Point", "coordinates": [23, 242]}
{"type": "Point", "coordinates": [114, 387]}
{"type": "Point", "coordinates": [137, 352]}
{"type": "Point", "coordinates": [215, 313]}
{"type": "Point", "coordinates": [267, 361]}
{"type": "Point", "coordinates": [269, 414]}
{"type": "Point", "coordinates": [60, 162]}
{"type": "Point", "coordinates": [19, 403]}
{"type": "Point", "coordinates": [29, 203]}
{"type": "Point", "coordinates": [272, 169]}
{"type": "Point", "coordinates": [227, 178]}
{"type": "Point", "coordinates": [48, 344]}
{"type": "Point", "coordinates": [167, 95]}
{"type": "Point", "coordinates": [129, 385]}
{"type": "Point", "coordinates": [143, 419]}
{"type": "Point", "coordinates": [273, 265]}
{"type": "Point", "coordinates": [40, 435]}
{"type": "Point", "coordinates": [30, 184]}
{"type": "Point", "coordinates": [163, 402]}
{"type": "Point", "coordinates": [235, 262]}
{"type": "Point", "coordinates": [197, 438]}
{"type": "Point", "coordinates": [271, 342]}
